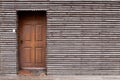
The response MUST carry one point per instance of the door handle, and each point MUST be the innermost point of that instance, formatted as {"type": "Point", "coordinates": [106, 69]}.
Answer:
{"type": "Point", "coordinates": [21, 41]}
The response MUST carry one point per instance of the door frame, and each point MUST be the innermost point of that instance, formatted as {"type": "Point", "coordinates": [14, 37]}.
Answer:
{"type": "Point", "coordinates": [17, 36]}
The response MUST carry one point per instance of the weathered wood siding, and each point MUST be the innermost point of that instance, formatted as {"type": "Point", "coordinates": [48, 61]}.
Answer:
{"type": "Point", "coordinates": [8, 41]}
{"type": "Point", "coordinates": [83, 37]}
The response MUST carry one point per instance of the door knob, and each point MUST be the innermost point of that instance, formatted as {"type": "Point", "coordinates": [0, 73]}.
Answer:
{"type": "Point", "coordinates": [21, 41]}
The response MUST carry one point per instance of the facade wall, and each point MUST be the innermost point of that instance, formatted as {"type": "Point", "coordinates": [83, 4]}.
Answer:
{"type": "Point", "coordinates": [83, 37]}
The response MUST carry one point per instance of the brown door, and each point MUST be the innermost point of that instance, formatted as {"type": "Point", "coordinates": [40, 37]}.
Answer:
{"type": "Point", "coordinates": [32, 39]}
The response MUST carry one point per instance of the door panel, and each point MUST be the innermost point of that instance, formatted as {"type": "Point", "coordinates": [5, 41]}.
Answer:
{"type": "Point", "coordinates": [27, 31]}
{"type": "Point", "coordinates": [38, 55]}
{"type": "Point", "coordinates": [32, 42]}
{"type": "Point", "coordinates": [27, 57]}
{"type": "Point", "coordinates": [38, 33]}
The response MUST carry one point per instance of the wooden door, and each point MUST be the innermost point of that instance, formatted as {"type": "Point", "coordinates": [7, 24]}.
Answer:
{"type": "Point", "coordinates": [32, 39]}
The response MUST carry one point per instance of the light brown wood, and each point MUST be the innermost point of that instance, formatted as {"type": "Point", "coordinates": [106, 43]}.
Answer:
{"type": "Point", "coordinates": [32, 39]}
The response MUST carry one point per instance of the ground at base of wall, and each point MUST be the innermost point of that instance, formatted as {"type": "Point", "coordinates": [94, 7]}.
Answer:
{"type": "Point", "coordinates": [72, 77]}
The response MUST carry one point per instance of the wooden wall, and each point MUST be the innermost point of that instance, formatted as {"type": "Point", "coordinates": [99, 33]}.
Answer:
{"type": "Point", "coordinates": [83, 37]}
